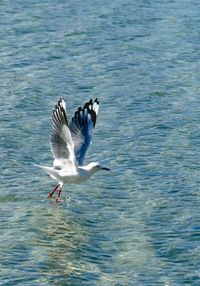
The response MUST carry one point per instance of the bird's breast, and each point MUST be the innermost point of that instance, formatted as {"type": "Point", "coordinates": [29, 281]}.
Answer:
{"type": "Point", "coordinates": [75, 178]}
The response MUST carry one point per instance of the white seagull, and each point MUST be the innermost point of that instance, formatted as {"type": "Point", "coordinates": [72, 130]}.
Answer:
{"type": "Point", "coordinates": [69, 143]}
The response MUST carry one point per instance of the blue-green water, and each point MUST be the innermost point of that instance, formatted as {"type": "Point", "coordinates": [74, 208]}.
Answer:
{"type": "Point", "coordinates": [140, 224]}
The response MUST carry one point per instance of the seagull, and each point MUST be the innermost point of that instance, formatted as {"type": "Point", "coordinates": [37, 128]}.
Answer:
{"type": "Point", "coordinates": [69, 143]}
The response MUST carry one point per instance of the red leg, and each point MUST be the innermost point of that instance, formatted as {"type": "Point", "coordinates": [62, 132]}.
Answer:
{"type": "Point", "coordinates": [58, 197]}
{"type": "Point", "coordinates": [51, 193]}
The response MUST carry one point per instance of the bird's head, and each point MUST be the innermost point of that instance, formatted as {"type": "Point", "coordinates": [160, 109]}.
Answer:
{"type": "Point", "coordinates": [95, 167]}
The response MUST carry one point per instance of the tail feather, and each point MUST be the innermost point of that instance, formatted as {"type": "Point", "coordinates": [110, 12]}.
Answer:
{"type": "Point", "coordinates": [49, 170]}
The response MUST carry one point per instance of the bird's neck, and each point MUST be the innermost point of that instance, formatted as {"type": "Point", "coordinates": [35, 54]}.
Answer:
{"type": "Point", "coordinates": [89, 169]}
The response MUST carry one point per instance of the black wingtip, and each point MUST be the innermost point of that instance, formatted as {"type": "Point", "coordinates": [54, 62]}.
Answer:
{"type": "Point", "coordinates": [59, 112]}
{"type": "Point", "coordinates": [88, 108]}
{"type": "Point", "coordinates": [96, 100]}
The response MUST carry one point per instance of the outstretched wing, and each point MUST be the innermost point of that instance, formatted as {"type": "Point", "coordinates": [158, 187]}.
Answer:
{"type": "Point", "coordinates": [81, 127]}
{"type": "Point", "coordinates": [62, 145]}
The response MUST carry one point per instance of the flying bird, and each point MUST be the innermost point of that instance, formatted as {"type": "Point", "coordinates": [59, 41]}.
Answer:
{"type": "Point", "coordinates": [69, 142]}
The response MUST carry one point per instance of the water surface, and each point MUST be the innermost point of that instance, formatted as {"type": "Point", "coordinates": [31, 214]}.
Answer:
{"type": "Point", "coordinates": [139, 224]}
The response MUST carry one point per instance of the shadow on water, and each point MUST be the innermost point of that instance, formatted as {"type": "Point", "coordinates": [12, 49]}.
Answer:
{"type": "Point", "coordinates": [59, 246]}
{"type": "Point", "coordinates": [56, 245]}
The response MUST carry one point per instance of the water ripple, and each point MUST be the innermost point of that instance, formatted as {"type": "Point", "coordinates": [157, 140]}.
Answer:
{"type": "Point", "coordinates": [139, 224]}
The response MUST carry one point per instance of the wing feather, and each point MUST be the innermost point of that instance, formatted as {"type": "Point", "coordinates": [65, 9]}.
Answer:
{"type": "Point", "coordinates": [81, 127]}
{"type": "Point", "coordinates": [62, 145]}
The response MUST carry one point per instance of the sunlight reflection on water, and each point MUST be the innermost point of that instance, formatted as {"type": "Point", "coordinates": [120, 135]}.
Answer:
{"type": "Point", "coordinates": [138, 225]}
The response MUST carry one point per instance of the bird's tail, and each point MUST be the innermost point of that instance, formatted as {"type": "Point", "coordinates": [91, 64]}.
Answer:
{"type": "Point", "coordinates": [49, 170]}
